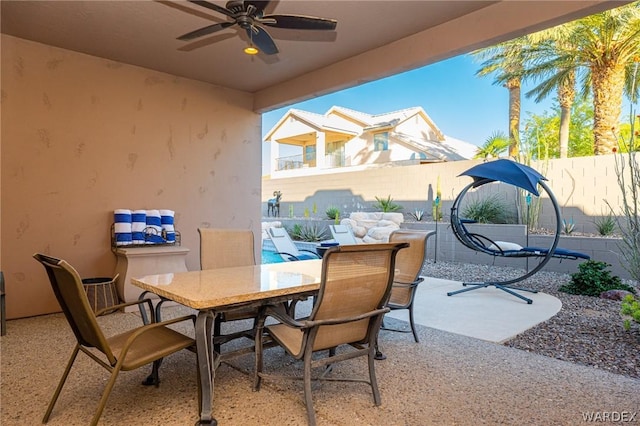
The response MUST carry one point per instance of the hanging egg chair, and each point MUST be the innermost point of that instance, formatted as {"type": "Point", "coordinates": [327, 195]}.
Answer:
{"type": "Point", "coordinates": [528, 179]}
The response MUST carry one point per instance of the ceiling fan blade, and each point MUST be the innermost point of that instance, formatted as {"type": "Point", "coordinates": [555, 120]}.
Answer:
{"type": "Point", "coordinates": [205, 31]}
{"type": "Point", "coordinates": [212, 7]}
{"type": "Point", "coordinates": [298, 22]}
{"type": "Point", "coordinates": [262, 40]}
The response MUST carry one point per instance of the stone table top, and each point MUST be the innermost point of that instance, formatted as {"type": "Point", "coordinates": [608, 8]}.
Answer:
{"type": "Point", "coordinates": [217, 288]}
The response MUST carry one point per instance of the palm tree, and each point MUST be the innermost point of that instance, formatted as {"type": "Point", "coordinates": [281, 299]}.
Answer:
{"type": "Point", "coordinates": [493, 146]}
{"type": "Point", "coordinates": [505, 61]}
{"type": "Point", "coordinates": [632, 81]}
{"type": "Point", "coordinates": [599, 50]}
{"type": "Point", "coordinates": [556, 77]}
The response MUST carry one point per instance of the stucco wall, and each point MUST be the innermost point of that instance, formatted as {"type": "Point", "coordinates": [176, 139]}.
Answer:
{"type": "Point", "coordinates": [293, 127]}
{"type": "Point", "coordinates": [417, 126]}
{"type": "Point", "coordinates": [82, 136]}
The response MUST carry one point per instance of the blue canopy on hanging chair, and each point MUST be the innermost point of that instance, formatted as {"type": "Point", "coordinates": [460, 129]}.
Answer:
{"type": "Point", "coordinates": [506, 171]}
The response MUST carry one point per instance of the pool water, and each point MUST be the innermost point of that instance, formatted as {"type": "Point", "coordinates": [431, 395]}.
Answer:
{"type": "Point", "coordinates": [271, 257]}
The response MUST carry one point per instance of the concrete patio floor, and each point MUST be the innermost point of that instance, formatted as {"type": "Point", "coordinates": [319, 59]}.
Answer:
{"type": "Point", "coordinates": [446, 379]}
{"type": "Point", "coordinates": [486, 313]}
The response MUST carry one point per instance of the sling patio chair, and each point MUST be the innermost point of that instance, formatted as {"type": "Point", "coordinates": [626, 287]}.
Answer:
{"type": "Point", "coordinates": [342, 234]}
{"type": "Point", "coordinates": [407, 277]}
{"type": "Point", "coordinates": [226, 248]}
{"type": "Point", "coordinates": [354, 291]}
{"type": "Point", "coordinates": [127, 351]}
{"type": "Point", "coordinates": [286, 248]}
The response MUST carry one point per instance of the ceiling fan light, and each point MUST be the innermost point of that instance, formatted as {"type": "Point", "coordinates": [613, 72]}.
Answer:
{"type": "Point", "coordinates": [251, 50]}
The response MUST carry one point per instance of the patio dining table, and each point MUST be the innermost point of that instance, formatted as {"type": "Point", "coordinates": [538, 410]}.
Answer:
{"type": "Point", "coordinates": [220, 290]}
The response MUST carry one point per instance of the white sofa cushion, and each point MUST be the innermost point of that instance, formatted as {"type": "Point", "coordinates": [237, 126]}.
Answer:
{"type": "Point", "coordinates": [505, 246]}
{"type": "Point", "coordinates": [397, 218]}
{"type": "Point", "coordinates": [373, 227]}
{"type": "Point", "coordinates": [381, 233]}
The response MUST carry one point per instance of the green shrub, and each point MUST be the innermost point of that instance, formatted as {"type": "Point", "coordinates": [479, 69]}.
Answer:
{"type": "Point", "coordinates": [491, 209]}
{"type": "Point", "coordinates": [605, 225]}
{"type": "Point", "coordinates": [631, 309]}
{"type": "Point", "coordinates": [386, 205]}
{"type": "Point", "coordinates": [307, 232]}
{"type": "Point", "coordinates": [568, 227]}
{"type": "Point", "coordinates": [592, 279]}
{"type": "Point", "coordinates": [332, 212]}
{"type": "Point", "coordinates": [295, 231]}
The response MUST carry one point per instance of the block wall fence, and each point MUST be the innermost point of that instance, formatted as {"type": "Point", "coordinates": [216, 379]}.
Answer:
{"type": "Point", "coordinates": [582, 186]}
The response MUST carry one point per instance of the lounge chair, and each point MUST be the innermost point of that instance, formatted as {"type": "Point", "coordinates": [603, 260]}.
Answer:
{"type": "Point", "coordinates": [342, 234]}
{"type": "Point", "coordinates": [286, 248]}
{"type": "Point", "coordinates": [355, 287]}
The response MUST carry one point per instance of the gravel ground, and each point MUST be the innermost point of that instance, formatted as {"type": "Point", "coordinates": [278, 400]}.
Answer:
{"type": "Point", "coordinates": [587, 330]}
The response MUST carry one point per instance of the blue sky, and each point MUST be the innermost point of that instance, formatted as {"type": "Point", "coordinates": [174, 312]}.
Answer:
{"type": "Point", "coordinates": [462, 105]}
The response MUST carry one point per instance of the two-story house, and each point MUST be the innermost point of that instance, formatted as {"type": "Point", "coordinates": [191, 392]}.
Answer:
{"type": "Point", "coordinates": [343, 137]}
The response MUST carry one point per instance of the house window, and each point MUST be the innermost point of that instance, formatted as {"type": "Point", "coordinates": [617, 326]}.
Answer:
{"type": "Point", "coordinates": [335, 154]}
{"type": "Point", "coordinates": [310, 155]}
{"type": "Point", "coordinates": [381, 141]}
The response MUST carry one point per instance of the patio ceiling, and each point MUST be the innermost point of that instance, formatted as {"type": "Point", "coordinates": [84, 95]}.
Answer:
{"type": "Point", "coordinates": [373, 39]}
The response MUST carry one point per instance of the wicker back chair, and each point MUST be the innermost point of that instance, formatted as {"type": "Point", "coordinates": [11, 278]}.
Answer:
{"type": "Point", "coordinates": [355, 287]}
{"type": "Point", "coordinates": [123, 352]}
{"type": "Point", "coordinates": [227, 248]}
{"type": "Point", "coordinates": [409, 264]}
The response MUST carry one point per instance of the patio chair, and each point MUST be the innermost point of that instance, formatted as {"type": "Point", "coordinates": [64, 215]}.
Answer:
{"type": "Point", "coordinates": [286, 248]}
{"type": "Point", "coordinates": [226, 248]}
{"type": "Point", "coordinates": [122, 352]}
{"type": "Point", "coordinates": [342, 234]}
{"type": "Point", "coordinates": [355, 287]}
{"type": "Point", "coordinates": [409, 264]}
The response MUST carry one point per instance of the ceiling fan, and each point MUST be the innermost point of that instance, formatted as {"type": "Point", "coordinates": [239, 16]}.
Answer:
{"type": "Point", "coordinates": [249, 15]}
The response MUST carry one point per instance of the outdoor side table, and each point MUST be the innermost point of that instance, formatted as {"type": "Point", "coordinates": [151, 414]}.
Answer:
{"type": "Point", "coordinates": [140, 261]}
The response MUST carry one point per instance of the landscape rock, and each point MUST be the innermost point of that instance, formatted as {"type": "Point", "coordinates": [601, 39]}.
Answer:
{"type": "Point", "coordinates": [615, 294]}
{"type": "Point", "coordinates": [587, 330]}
